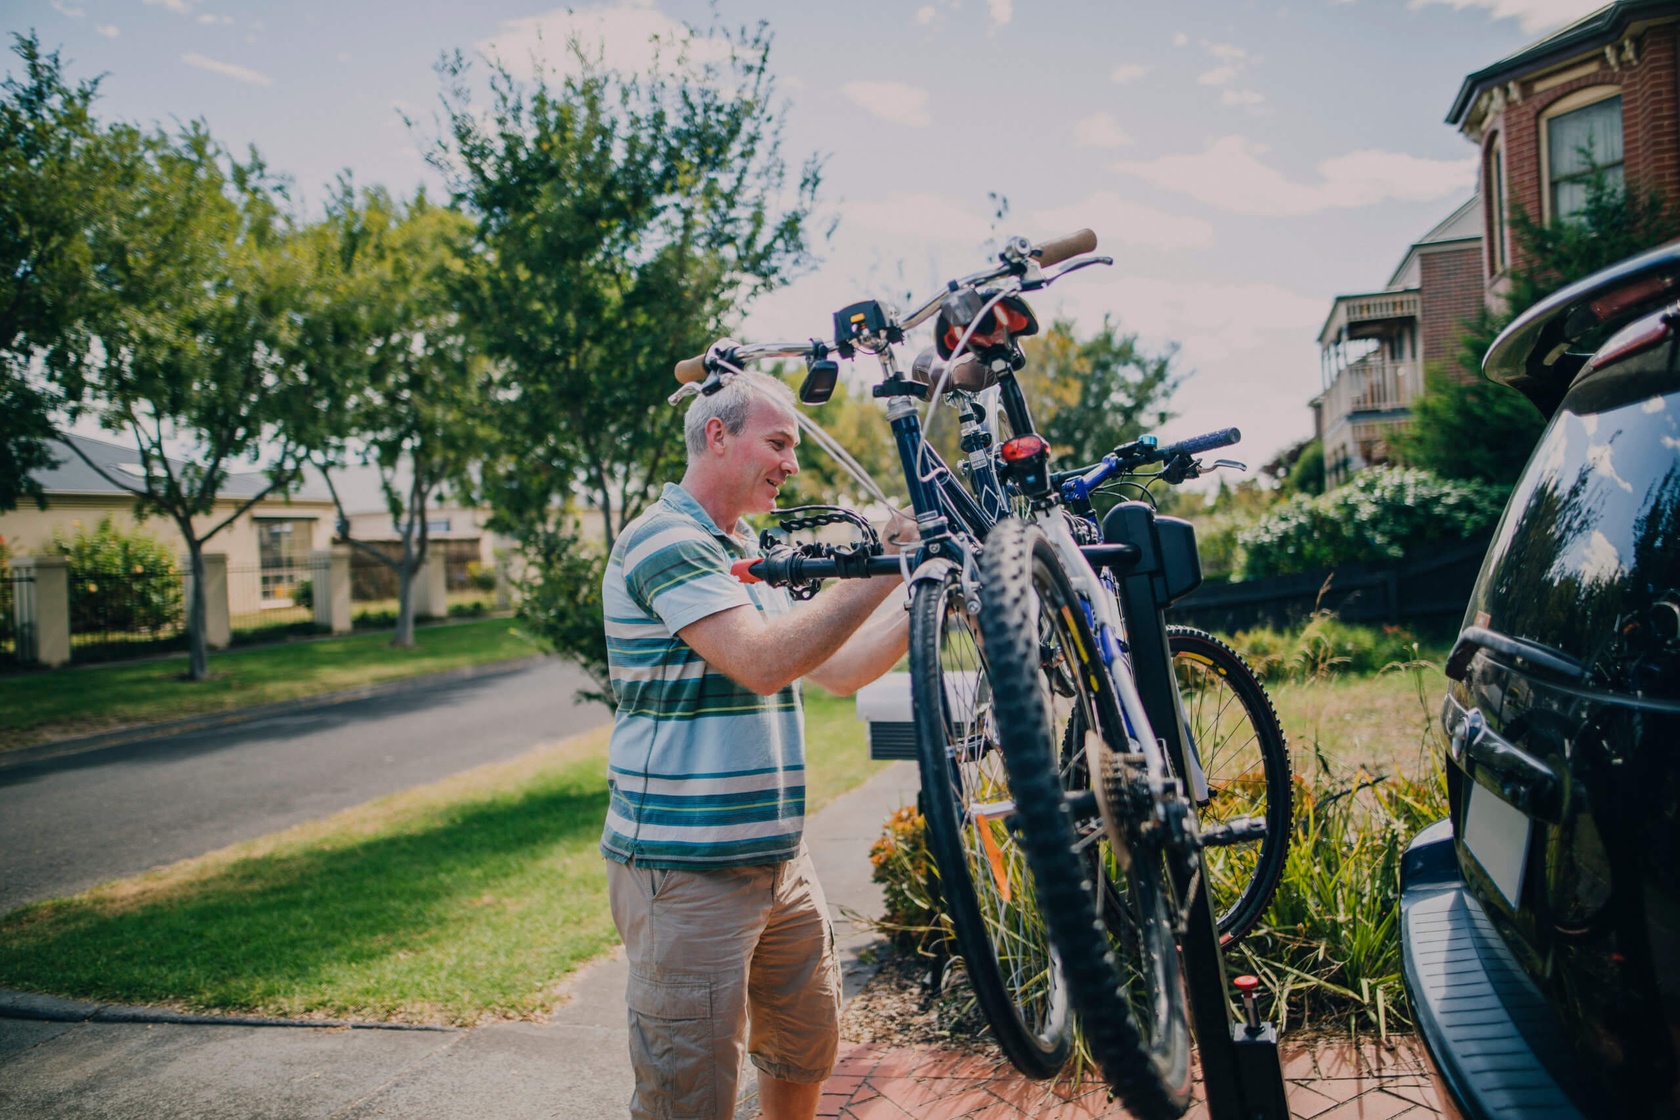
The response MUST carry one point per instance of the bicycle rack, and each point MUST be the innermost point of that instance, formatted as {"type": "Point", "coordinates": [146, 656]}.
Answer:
{"type": "Point", "coordinates": [1242, 1075]}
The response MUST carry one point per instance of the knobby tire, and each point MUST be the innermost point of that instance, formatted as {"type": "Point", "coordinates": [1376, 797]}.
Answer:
{"type": "Point", "coordinates": [1132, 1007]}
{"type": "Point", "coordinates": [1002, 941]}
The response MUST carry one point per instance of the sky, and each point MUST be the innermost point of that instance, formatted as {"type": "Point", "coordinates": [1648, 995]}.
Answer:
{"type": "Point", "coordinates": [1243, 161]}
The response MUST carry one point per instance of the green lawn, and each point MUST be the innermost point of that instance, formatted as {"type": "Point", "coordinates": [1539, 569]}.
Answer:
{"type": "Point", "coordinates": [36, 707]}
{"type": "Point", "coordinates": [469, 898]}
{"type": "Point", "coordinates": [1385, 722]}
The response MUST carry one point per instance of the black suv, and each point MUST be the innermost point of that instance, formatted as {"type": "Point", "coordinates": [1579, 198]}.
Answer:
{"type": "Point", "coordinates": [1540, 923]}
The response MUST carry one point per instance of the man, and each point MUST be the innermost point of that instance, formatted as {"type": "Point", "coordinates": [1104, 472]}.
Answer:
{"type": "Point", "coordinates": [713, 892]}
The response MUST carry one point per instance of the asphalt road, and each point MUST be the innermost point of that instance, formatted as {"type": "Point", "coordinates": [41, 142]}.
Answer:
{"type": "Point", "coordinates": [70, 822]}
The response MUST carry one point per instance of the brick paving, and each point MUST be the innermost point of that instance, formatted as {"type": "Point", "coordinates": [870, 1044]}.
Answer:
{"type": "Point", "coordinates": [1331, 1081]}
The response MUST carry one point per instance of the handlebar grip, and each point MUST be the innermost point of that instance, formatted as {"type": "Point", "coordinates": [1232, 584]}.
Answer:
{"type": "Point", "coordinates": [1059, 250]}
{"type": "Point", "coordinates": [1196, 444]}
{"type": "Point", "coordinates": [691, 369]}
{"type": "Point", "coordinates": [743, 569]}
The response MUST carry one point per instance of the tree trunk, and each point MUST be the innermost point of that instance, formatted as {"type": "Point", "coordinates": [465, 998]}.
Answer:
{"type": "Point", "coordinates": [198, 644]}
{"type": "Point", "coordinates": [412, 559]}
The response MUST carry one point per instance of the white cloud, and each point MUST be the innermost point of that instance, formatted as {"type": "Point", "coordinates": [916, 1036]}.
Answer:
{"type": "Point", "coordinates": [1001, 11]}
{"type": "Point", "coordinates": [211, 17]}
{"type": "Point", "coordinates": [344, 56]}
{"type": "Point", "coordinates": [1231, 176]}
{"type": "Point", "coordinates": [1241, 97]}
{"type": "Point", "coordinates": [70, 10]}
{"type": "Point", "coordinates": [241, 73]}
{"type": "Point", "coordinates": [922, 215]}
{"type": "Point", "coordinates": [1226, 50]}
{"type": "Point", "coordinates": [1533, 15]}
{"type": "Point", "coordinates": [894, 102]}
{"type": "Point", "coordinates": [629, 36]}
{"type": "Point", "coordinates": [179, 7]}
{"type": "Point", "coordinates": [1126, 73]}
{"type": "Point", "coordinates": [925, 14]}
{"type": "Point", "coordinates": [1099, 130]}
{"type": "Point", "coordinates": [109, 30]}
{"type": "Point", "coordinates": [1180, 39]}
{"type": "Point", "coordinates": [1218, 76]}
{"type": "Point", "coordinates": [1118, 220]}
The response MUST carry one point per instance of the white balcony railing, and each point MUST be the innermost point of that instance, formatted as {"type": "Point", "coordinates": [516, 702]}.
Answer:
{"type": "Point", "coordinates": [1371, 387]}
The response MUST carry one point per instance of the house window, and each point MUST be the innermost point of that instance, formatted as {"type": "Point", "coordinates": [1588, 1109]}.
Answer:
{"type": "Point", "coordinates": [283, 550]}
{"type": "Point", "coordinates": [1580, 142]}
{"type": "Point", "coordinates": [1496, 196]}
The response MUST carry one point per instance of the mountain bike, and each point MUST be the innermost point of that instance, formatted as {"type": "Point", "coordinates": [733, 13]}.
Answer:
{"type": "Point", "coordinates": [984, 882]}
{"type": "Point", "coordinates": [1099, 796]}
{"type": "Point", "coordinates": [1239, 758]}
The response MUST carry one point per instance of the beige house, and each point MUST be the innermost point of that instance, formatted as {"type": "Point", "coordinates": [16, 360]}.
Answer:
{"type": "Point", "coordinates": [267, 547]}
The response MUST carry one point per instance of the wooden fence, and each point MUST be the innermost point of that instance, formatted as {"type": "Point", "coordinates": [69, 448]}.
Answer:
{"type": "Point", "coordinates": [1428, 590]}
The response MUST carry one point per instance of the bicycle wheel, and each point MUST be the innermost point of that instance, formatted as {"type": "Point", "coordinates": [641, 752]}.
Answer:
{"type": "Point", "coordinates": [1110, 914]}
{"type": "Point", "coordinates": [1235, 733]}
{"type": "Point", "coordinates": [983, 876]}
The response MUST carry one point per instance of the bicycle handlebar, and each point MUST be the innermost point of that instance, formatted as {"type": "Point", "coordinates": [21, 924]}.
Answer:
{"type": "Point", "coordinates": [785, 567]}
{"type": "Point", "coordinates": [1195, 445]}
{"type": "Point", "coordinates": [1016, 259]}
{"type": "Point", "coordinates": [1059, 250]}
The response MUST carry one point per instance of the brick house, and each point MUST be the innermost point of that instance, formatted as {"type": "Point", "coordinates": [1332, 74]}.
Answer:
{"type": "Point", "coordinates": [1603, 92]}
{"type": "Point", "coordinates": [1374, 346]}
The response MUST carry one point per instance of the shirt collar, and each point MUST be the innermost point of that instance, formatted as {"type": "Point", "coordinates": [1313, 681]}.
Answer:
{"type": "Point", "coordinates": [681, 500]}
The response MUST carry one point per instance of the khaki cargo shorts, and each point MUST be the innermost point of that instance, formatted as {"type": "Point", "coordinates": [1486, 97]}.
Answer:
{"type": "Point", "coordinates": [721, 962]}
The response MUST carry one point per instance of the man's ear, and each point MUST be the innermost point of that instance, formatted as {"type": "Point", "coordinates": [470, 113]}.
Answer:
{"type": "Point", "coordinates": [715, 433]}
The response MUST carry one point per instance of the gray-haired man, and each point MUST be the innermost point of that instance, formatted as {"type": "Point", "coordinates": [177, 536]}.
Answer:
{"type": "Point", "coordinates": [723, 921]}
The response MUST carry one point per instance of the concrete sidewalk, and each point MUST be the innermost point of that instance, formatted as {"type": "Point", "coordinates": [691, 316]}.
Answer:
{"type": "Point", "coordinates": [575, 1065]}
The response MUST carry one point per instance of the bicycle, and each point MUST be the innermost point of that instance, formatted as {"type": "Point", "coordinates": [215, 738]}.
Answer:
{"type": "Point", "coordinates": [1144, 819]}
{"type": "Point", "coordinates": [966, 796]}
{"type": "Point", "coordinates": [1245, 772]}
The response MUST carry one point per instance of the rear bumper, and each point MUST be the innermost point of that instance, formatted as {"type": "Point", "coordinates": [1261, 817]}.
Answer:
{"type": "Point", "coordinates": [1498, 1046]}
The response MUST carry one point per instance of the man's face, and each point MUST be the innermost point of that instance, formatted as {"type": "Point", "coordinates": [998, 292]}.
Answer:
{"type": "Point", "coordinates": [762, 456]}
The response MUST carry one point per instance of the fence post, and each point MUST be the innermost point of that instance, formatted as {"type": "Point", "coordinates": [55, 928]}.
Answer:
{"type": "Point", "coordinates": [331, 587]}
{"type": "Point", "coordinates": [43, 611]}
{"type": "Point", "coordinates": [218, 632]}
{"type": "Point", "coordinates": [504, 582]}
{"type": "Point", "coordinates": [431, 587]}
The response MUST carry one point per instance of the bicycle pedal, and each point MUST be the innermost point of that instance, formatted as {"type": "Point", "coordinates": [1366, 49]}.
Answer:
{"type": "Point", "coordinates": [1238, 830]}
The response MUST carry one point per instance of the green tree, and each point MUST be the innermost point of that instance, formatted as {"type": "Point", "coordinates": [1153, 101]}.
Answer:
{"type": "Point", "coordinates": [386, 340]}
{"type": "Point", "coordinates": [1091, 395]}
{"type": "Point", "coordinates": [1467, 427]}
{"type": "Point", "coordinates": [54, 175]}
{"type": "Point", "coordinates": [196, 323]}
{"type": "Point", "coordinates": [622, 222]}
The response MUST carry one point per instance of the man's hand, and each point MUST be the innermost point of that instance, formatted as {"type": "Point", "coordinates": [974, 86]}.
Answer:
{"type": "Point", "coordinates": [900, 529]}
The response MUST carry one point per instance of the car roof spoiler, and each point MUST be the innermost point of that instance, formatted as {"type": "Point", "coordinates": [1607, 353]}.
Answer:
{"type": "Point", "coordinates": [1535, 354]}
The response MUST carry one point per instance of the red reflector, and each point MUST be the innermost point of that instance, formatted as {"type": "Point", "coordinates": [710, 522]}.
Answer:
{"type": "Point", "coordinates": [1023, 447]}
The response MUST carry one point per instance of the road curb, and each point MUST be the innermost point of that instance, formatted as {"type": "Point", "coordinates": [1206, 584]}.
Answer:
{"type": "Point", "coordinates": [122, 736]}
{"type": "Point", "coordinates": [30, 1005]}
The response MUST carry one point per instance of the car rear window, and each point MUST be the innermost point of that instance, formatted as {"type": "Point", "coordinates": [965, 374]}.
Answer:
{"type": "Point", "coordinates": [1590, 541]}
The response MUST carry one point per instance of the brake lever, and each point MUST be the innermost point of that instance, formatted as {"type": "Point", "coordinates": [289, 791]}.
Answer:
{"type": "Point", "coordinates": [1232, 463]}
{"type": "Point", "coordinates": [1044, 281]}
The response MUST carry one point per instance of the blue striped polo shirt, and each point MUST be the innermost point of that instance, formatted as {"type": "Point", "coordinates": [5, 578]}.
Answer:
{"type": "Point", "coordinates": [702, 772]}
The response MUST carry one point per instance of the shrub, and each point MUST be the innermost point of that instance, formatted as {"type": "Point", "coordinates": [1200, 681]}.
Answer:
{"type": "Point", "coordinates": [1382, 515]}
{"type": "Point", "coordinates": [1328, 949]}
{"type": "Point", "coordinates": [913, 919]}
{"type": "Point", "coordinates": [122, 580]}
{"type": "Point", "coordinates": [479, 577]}
{"type": "Point", "coordinates": [1324, 647]}
{"type": "Point", "coordinates": [303, 594]}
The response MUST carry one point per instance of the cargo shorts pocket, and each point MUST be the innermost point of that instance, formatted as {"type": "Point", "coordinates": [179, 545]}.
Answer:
{"type": "Point", "coordinates": [671, 1046]}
